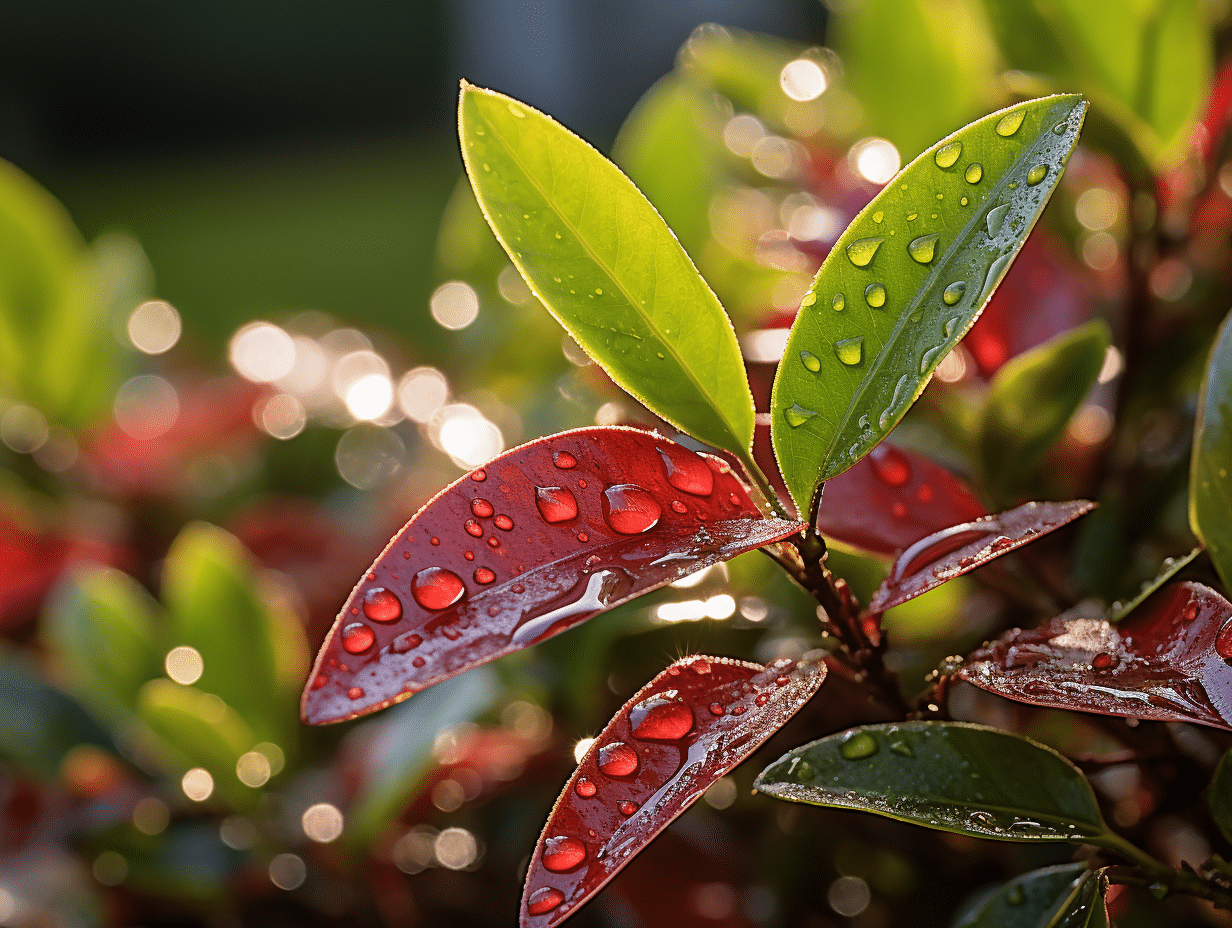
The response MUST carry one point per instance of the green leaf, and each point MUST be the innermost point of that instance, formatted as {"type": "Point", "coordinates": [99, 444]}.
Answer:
{"type": "Point", "coordinates": [1210, 490]}
{"type": "Point", "coordinates": [1219, 797]}
{"type": "Point", "coordinates": [911, 274]}
{"type": "Point", "coordinates": [608, 268]}
{"type": "Point", "coordinates": [1045, 898]}
{"type": "Point", "coordinates": [1032, 399]}
{"type": "Point", "coordinates": [956, 777]}
{"type": "Point", "coordinates": [1169, 569]}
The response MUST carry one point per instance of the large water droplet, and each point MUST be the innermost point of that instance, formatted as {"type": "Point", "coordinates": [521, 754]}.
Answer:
{"type": "Point", "coordinates": [686, 471]}
{"type": "Point", "coordinates": [995, 272]}
{"type": "Point", "coordinates": [481, 507]}
{"type": "Point", "coordinates": [556, 504]}
{"type": "Point", "coordinates": [839, 302]}
{"type": "Point", "coordinates": [382, 605]}
{"type": "Point", "coordinates": [1102, 660]}
{"type": "Point", "coordinates": [850, 350]}
{"type": "Point", "coordinates": [995, 218]}
{"type": "Point", "coordinates": [796, 415]}
{"type": "Point", "coordinates": [1036, 174]}
{"type": "Point", "coordinates": [953, 293]}
{"type": "Point", "coordinates": [930, 357]}
{"type": "Point", "coordinates": [862, 250]}
{"type": "Point", "coordinates": [947, 155]}
{"type": "Point", "coordinates": [858, 745]}
{"type": "Point", "coordinates": [563, 853]}
{"type": "Point", "coordinates": [483, 575]}
{"type": "Point", "coordinates": [544, 900]}
{"type": "Point", "coordinates": [660, 718]}
{"type": "Point", "coordinates": [900, 394]}
{"type": "Point", "coordinates": [617, 760]}
{"type": "Point", "coordinates": [924, 248]}
{"type": "Point", "coordinates": [585, 788]}
{"type": "Point", "coordinates": [564, 460]}
{"type": "Point", "coordinates": [473, 528]}
{"type": "Point", "coordinates": [1223, 641]}
{"type": "Point", "coordinates": [503, 522]}
{"type": "Point", "coordinates": [890, 465]}
{"type": "Point", "coordinates": [875, 295]}
{"type": "Point", "coordinates": [629, 509]}
{"type": "Point", "coordinates": [1010, 122]}
{"type": "Point", "coordinates": [974, 173]}
{"type": "Point", "coordinates": [810, 361]}
{"type": "Point", "coordinates": [357, 638]}
{"type": "Point", "coordinates": [437, 588]}
{"type": "Point", "coordinates": [950, 325]}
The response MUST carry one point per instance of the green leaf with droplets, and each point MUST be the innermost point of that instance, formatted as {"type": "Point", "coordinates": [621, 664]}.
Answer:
{"type": "Point", "coordinates": [1210, 488]}
{"type": "Point", "coordinates": [609, 269]}
{"type": "Point", "coordinates": [1047, 898]}
{"type": "Point", "coordinates": [956, 777]}
{"type": "Point", "coordinates": [1030, 404]}
{"type": "Point", "coordinates": [905, 297]}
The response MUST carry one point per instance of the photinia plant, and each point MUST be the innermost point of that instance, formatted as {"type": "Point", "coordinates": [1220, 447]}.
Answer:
{"type": "Point", "coordinates": [561, 529]}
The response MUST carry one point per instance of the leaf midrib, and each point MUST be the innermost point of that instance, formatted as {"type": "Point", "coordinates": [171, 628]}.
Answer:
{"type": "Point", "coordinates": [576, 233]}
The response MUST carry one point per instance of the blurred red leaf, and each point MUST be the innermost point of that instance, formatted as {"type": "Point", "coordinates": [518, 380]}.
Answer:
{"type": "Point", "coordinates": [542, 538]}
{"type": "Point", "coordinates": [1167, 662]}
{"type": "Point", "coordinates": [679, 734]}
{"type": "Point", "coordinates": [891, 499]}
{"type": "Point", "coordinates": [962, 548]}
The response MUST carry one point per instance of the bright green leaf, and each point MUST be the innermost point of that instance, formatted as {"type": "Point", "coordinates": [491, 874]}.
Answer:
{"type": "Point", "coordinates": [907, 280]}
{"type": "Point", "coordinates": [1032, 399]}
{"type": "Point", "coordinates": [608, 268]}
{"type": "Point", "coordinates": [1219, 797]}
{"type": "Point", "coordinates": [956, 777]}
{"type": "Point", "coordinates": [1039, 899]}
{"type": "Point", "coordinates": [1210, 489]}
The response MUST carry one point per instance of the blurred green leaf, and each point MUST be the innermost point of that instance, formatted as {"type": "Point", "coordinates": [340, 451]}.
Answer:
{"type": "Point", "coordinates": [1045, 898]}
{"type": "Point", "coordinates": [1031, 401]}
{"type": "Point", "coordinates": [886, 308]}
{"type": "Point", "coordinates": [600, 258]}
{"type": "Point", "coordinates": [1210, 489]}
{"type": "Point", "coordinates": [956, 777]}
{"type": "Point", "coordinates": [743, 66]}
{"type": "Point", "coordinates": [188, 861]}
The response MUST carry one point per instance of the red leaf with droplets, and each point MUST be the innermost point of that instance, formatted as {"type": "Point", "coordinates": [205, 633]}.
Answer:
{"type": "Point", "coordinates": [962, 548]}
{"type": "Point", "coordinates": [892, 498]}
{"type": "Point", "coordinates": [1167, 662]}
{"type": "Point", "coordinates": [540, 539]}
{"type": "Point", "coordinates": [679, 734]}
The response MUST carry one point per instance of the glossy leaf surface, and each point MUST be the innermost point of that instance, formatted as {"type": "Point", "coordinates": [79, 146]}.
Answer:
{"type": "Point", "coordinates": [891, 499]}
{"type": "Point", "coordinates": [1031, 402]}
{"type": "Point", "coordinates": [962, 548]}
{"type": "Point", "coordinates": [678, 735]}
{"type": "Point", "coordinates": [605, 264]}
{"type": "Point", "coordinates": [1210, 488]}
{"type": "Point", "coordinates": [1165, 662]}
{"type": "Point", "coordinates": [953, 776]}
{"type": "Point", "coordinates": [1219, 797]}
{"type": "Point", "coordinates": [905, 282]}
{"type": "Point", "coordinates": [543, 537]}
{"type": "Point", "coordinates": [1039, 899]}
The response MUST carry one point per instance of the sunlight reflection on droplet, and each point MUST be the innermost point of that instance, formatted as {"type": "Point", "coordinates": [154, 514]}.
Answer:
{"type": "Point", "coordinates": [154, 327]}
{"type": "Point", "coordinates": [874, 159]}
{"type": "Point", "coordinates": [803, 79]}
{"type": "Point", "coordinates": [421, 392]}
{"type": "Point", "coordinates": [322, 822]}
{"type": "Point", "coordinates": [253, 769]}
{"type": "Point", "coordinates": [688, 610]}
{"type": "Point", "coordinates": [741, 133]}
{"type": "Point", "coordinates": [580, 749]}
{"type": "Point", "coordinates": [721, 606]}
{"type": "Point", "coordinates": [288, 871]}
{"type": "Point", "coordinates": [281, 416]}
{"type": "Point", "coordinates": [23, 428]}
{"type": "Point", "coordinates": [146, 407]}
{"type": "Point", "coordinates": [715, 572]}
{"type": "Point", "coordinates": [184, 665]}
{"type": "Point", "coordinates": [262, 352]}
{"type": "Point", "coordinates": [456, 848]}
{"type": "Point", "coordinates": [454, 305]}
{"type": "Point", "coordinates": [370, 397]}
{"type": "Point", "coordinates": [197, 784]}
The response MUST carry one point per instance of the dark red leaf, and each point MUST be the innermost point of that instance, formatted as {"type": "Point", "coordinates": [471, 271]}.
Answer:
{"type": "Point", "coordinates": [678, 735]}
{"type": "Point", "coordinates": [962, 548]}
{"type": "Point", "coordinates": [1167, 662]}
{"type": "Point", "coordinates": [891, 499]}
{"type": "Point", "coordinates": [542, 538]}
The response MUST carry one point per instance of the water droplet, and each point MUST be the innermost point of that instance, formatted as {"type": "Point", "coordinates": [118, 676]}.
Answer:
{"type": "Point", "coordinates": [473, 528]}
{"type": "Point", "coordinates": [435, 541]}
{"type": "Point", "coordinates": [890, 465]}
{"type": "Point", "coordinates": [808, 299]}
{"type": "Point", "coordinates": [930, 358]}
{"type": "Point", "coordinates": [355, 692]}
{"type": "Point", "coordinates": [564, 460]}
{"type": "Point", "coordinates": [660, 718]}
{"type": "Point", "coordinates": [418, 662]}
{"type": "Point", "coordinates": [1102, 660]}
{"type": "Point", "coordinates": [901, 390]}
{"type": "Point", "coordinates": [583, 537]}
{"type": "Point", "coordinates": [875, 295]}
{"type": "Point", "coordinates": [493, 542]}
{"type": "Point", "coordinates": [627, 808]}
{"type": "Point", "coordinates": [796, 415]}
{"type": "Point", "coordinates": [737, 710]}
{"type": "Point", "coordinates": [686, 471]}
{"type": "Point", "coordinates": [912, 217]}
{"type": "Point", "coordinates": [924, 248]}
{"type": "Point", "coordinates": [974, 173]}
{"type": "Point", "coordinates": [878, 216]}
{"type": "Point", "coordinates": [629, 509]}
{"type": "Point", "coordinates": [404, 643]}
{"type": "Point", "coordinates": [585, 788]}
{"type": "Point", "coordinates": [437, 588]}
{"type": "Point", "coordinates": [617, 760]}
{"type": "Point", "coordinates": [382, 605]}
{"type": "Point", "coordinates": [479, 476]}
{"type": "Point", "coordinates": [1223, 641]}
{"type": "Point", "coordinates": [357, 638]}
{"type": "Point", "coordinates": [481, 507]}
{"type": "Point", "coordinates": [810, 361]}
{"type": "Point", "coordinates": [1190, 611]}
{"type": "Point", "coordinates": [782, 681]}
{"type": "Point", "coordinates": [995, 272]}
{"type": "Point", "coordinates": [963, 201]}
{"type": "Point", "coordinates": [544, 900]}
{"type": "Point", "coordinates": [679, 507]}
{"type": "Point", "coordinates": [950, 325]}
{"type": "Point", "coordinates": [469, 555]}
{"type": "Point", "coordinates": [562, 853]}
{"type": "Point", "coordinates": [902, 749]}
{"type": "Point", "coordinates": [839, 303]}
{"type": "Point", "coordinates": [858, 745]}
{"type": "Point", "coordinates": [1037, 174]}
{"type": "Point", "coordinates": [995, 218]}
{"type": "Point", "coordinates": [850, 351]}
{"type": "Point", "coordinates": [483, 575]}
{"type": "Point", "coordinates": [861, 251]}
{"type": "Point", "coordinates": [953, 293]}
{"type": "Point", "coordinates": [1010, 122]}
{"type": "Point", "coordinates": [503, 522]}
{"type": "Point", "coordinates": [1015, 895]}
{"type": "Point", "coordinates": [863, 421]}
{"type": "Point", "coordinates": [762, 699]}
{"type": "Point", "coordinates": [556, 504]}
{"type": "Point", "coordinates": [947, 155]}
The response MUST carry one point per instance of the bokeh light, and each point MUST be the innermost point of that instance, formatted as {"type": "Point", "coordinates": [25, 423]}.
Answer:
{"type": "Point", "coordinates": [282, 416]}
{"type": "Point", "coordinates": [422, 391]}
{"type": "Point", "coordinates": [154, 327]}
{"type": "Point", "coordinates": [454, 305]}
{"type": "Point", "coordinates": [803, 79]}
{"type": "Point", "coordinates": [184, 665]}
{"type": "Point", "coordinates": [322, 822]}
{"type": "Point", "coordinates": [253, 769]}
{"type": "Point", "coordinates": [455, 848]}
{"type": "Point", "coordinates": [197, 784]}
{"type": "Point", "coordinates": [23, 428]}
{"type": "Point", "coordinates": [146, 407]}
{"type": "Point", "coordinates": [288, 871]}
{"type": "Point", "coordinates": [151, 816]}
{"type": "Point", "coordinates": [262, 352]}
{"type": "Point", "coordinates": [466, 435]}
{"type": "Point", "coordinates": [874, 159]}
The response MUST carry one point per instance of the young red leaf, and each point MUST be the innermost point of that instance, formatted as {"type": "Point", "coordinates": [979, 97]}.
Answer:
{"type": "Point", "coordinates": [545, 536]}
{"type": "Point", "coordinates": [962, 548]}
{"type": "Point", "coordinates": [1167, 662]}
{"type": "Point", "coordinates": [679, 734]}
{"type": "Point", "coordinates": [891, 499]}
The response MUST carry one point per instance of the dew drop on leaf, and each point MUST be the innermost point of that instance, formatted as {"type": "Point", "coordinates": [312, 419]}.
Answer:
{"type": "Point", "coordinates": [660, 718]}
{"type": "Point", "coordinates": [382, 605]}
{"type": "Point", "coordinates": [858, 745]}
{"type": "Point", "coordinates": [563, 853]}
{"type": "Point", "coordinates": [952, 294]}
{"type": "Point", "coordinates": [679, 507]}
{"type": "Point", "coordinates": [629, 509]}
{"type": "Point", "coordinates": [503, 522]}
{"type": "Point", "coordinates": [481, 507]}
{"type": "Point", "coordinates": [686, 471]}
{"type": "Point", "coordinates": [556, 504]}
{"type": "Point", "coordinates": [974, 173]}
{"type": "Point", "coordinates": [1102, 660]}
{"type": "Point", "coordinates": [796, 415]}
{"type": "Point", "coordinates": [473, 528]}
{"type": "Point", "coordinates": [617, 759]}
{"type": "Point", "coordinates": [924, 248]}
{"type": "Point", "coordinates": [861, 251]}
{"type": "Point", "coordinates": [951, 324]}
{"type": "Point", "coordinates": [850, 351]}
{"type": "Point", "coordinates": [627, 807]}
{"type": "Point", "coordinates": [544, 900]}
{"type": "Point", "coordinates": [839, 303]}
{"type": "Point", "coordinates": [995, 218]}
{"type": "Point", "coordinates": [585, 788]}
{"type": "Point", "coordinates": [716, 708]}
{"type": "Point", "coordinates": [483, 575]}
{"type": "Point", "coordinates": [355, 692]}
{"type": "Point", "coordinates": [437, 588]}
{"type": "Point", "coordinates": [564, 460]}
{"type": "Point", "coordinates": [875, 295]}
{"type": "Point", "coordinates": [810, 361]}
{"type": "Point", "coordinates": [947, 155]}
{"type": "Point", "coordinates": [1037, 174]}
{"type": "Point", "coordinates": [357, 638]}
{"type": "Point", "coordinates": [1010, 122]}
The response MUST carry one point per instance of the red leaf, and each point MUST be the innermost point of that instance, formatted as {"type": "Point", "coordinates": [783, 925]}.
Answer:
{"type": "Point", "coordinates": [962, 548]}
{"type": "Point", "coordinates": [678, 735]}
{"type": "Point", "coordinates": [542, 538]}
{"type": "Point", "coordinates": [892, 498]}
{"type": "Point", "coordinates": [1167, 662]}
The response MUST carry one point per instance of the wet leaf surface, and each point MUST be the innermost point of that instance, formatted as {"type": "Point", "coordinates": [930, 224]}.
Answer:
{"type": "Point", "coordinates": [1210, 488]}
{"type": "Point", "coordinates": [1039, 899]}
{"type": "Point", "coordinates": [891, 499]}
{"type": "Point", "coordinates": [962, 548]}
{"type": "Point", "coordinates": [542, 538]}
{"type": "Point", "coordinates": [953, 776]}
{"type": "Point", "coordinates": [906, 281]}
{"type": "Point", "coordinates": [1164, 663]}
{"type": "Point", "coordinates": [679, 734]}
